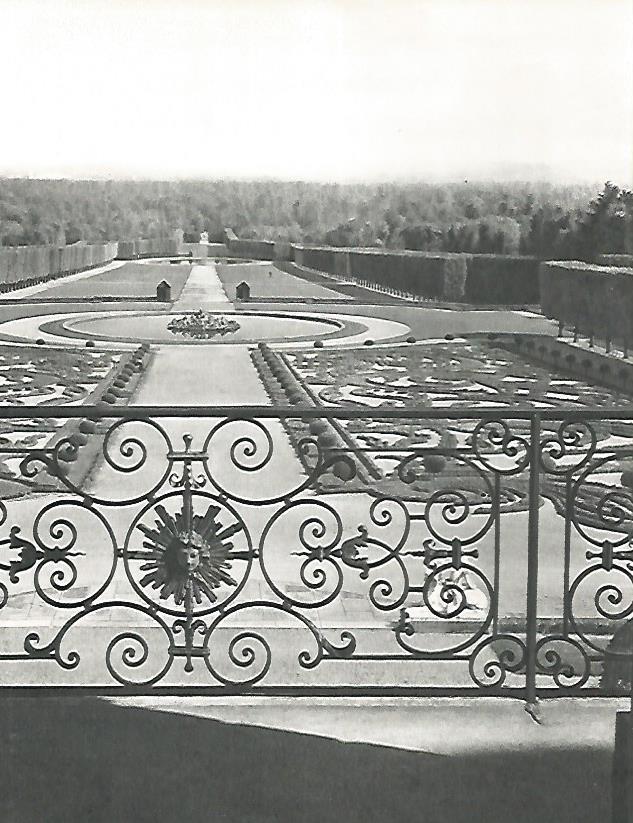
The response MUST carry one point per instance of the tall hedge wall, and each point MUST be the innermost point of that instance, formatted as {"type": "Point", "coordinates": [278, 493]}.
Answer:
{"type": "Point", "coordinates": [476, 278]}
{"type": "Point", "coordinates": [502, 279]}
{"type": "Point", "coordinates": [282, 250]}
{"type": "Point", "coordinates": [27, 265]}
{"type": "Point", "coordinates": [597, 300]}
{"type": "Point", "coordinates": [254, 249]}
{"type": "Point", "coordinates": [154, 247]}
{"type": "Point", "coordinates": [257, 249]}
{"type": "Point", "coordinates": [436, 276]}
{"type": "Point", "coordinates": [321, 259]}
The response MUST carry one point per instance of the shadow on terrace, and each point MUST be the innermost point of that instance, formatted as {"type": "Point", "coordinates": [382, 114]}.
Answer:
{"type": "Point", "coordinates": [90, 760]}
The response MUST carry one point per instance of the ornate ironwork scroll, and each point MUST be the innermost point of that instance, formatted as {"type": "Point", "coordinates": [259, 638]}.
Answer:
{"type": "Point", "coordinates": [587, 641]}
{"type": "Point", "coordinates": [202, 548]}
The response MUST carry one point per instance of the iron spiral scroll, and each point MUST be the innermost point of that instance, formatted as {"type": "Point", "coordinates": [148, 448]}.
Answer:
{"type": "Point", "coordinates": [192, 563]}
{"type": "Point", "coordinates": [586, 482]}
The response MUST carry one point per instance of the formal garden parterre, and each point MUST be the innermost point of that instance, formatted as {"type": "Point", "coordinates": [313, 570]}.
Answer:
{"type": "Point", "coordinates": [455, 374]}
{"type": "Point", "coordinates": [424, 358]}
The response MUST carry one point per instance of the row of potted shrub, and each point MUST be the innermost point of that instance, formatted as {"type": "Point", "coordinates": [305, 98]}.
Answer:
{"type": "Point", "coordinates": [585, 364]}
{"type": "Point", "coordinates": [282, 384]}
{"type": "Point", "coordinates": [82, 438]}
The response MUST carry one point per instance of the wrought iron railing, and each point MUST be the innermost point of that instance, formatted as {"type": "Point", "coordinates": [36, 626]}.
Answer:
{"type": "Point", "coordinates": [246, 549]}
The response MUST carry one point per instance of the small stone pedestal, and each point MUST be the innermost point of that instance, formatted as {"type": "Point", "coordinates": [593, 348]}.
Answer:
{"type": "Point", "coordinates": [243, 291]}
{"type": "Point", "coordinates": [163, 292]}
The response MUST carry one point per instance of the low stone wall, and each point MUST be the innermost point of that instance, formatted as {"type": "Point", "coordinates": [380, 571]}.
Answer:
{"type": "Point", "coordinates": [592, 365]}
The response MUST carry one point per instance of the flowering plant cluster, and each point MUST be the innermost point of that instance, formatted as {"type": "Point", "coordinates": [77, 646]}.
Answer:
{"type": "Point", "coordinates": [203, 325]}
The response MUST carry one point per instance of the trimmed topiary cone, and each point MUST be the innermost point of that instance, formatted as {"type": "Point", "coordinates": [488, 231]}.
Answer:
{"type": "Point", "coordinates": [627, 479]}
{"type": "Point", "coordinates": [317, 426]}
{"type": "Point", "coordinates": [434, 463]}
{"type": "Point", "coordinates": [67, 453]}
{"type": "Point", "coordinates": [344, 470]}
{"type": "Point", "coordinates": [78, 439]}
{"type": "Point", "coordinates": [327, 439]}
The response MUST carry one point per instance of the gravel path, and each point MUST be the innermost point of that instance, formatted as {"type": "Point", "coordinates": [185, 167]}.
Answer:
{"type": "Point", "coordinates": [203, 290]}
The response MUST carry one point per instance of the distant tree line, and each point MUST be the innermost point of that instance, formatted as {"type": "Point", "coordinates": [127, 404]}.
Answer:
{"type": "Point", "coordinates": [542, 219]}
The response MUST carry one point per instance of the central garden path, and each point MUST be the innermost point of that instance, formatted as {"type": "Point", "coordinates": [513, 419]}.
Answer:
{"type": "Point", "coordinates": [203, 290]}
{"type": "Point", "coordinates": [206, 376]}
{"type": "Point", "coordinates": [198, 376]}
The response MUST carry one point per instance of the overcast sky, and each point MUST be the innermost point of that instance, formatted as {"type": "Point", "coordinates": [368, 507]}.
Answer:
{"type": "Point", "coordinates": [318, 89]}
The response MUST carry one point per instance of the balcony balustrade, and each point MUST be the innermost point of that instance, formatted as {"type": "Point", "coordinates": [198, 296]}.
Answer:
{"type": "Point", "coordinates": [315, 549]}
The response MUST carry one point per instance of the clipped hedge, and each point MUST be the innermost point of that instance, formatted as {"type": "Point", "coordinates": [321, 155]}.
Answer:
{"type": "Point", "coordinates": [440, 276]}
{"type": "Point", "coordinates": [473, 278]}
{"type": "Point", "coordinates": [424, 276]}
{"type": "Point", "coordinates": [597, 300]}
{"type": "Point", "coordinates": [502, 279]}
{"type": "Point", "coordinates": [322, 259]}
{"type": "Point", "coordinates": [27, 265]}
{"type": "Point", "coordinates": [257, 249]}
{"type": "Point", "coordinates": [154, 247]}
{"type": "Point", "coordinates": [455, 279]}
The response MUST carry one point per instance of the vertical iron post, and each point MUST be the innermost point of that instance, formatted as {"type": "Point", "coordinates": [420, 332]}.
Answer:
{"type": "Point", "coordinates": [497, 570]}
{"type": "Point", "coordinates": [567, 553]}
{"type": "Point", "coordinates": [532, 566]}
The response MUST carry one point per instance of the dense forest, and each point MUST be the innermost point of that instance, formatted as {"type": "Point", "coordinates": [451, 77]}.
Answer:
{"type": "Point", "coordinates": [547, 220]}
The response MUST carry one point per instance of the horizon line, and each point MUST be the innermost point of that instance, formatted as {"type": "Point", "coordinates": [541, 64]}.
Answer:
{"type": "Point", "coordinates": [394, 181]}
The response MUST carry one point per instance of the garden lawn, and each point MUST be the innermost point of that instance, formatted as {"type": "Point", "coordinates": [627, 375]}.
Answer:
{"type": "Point", "coordinates": [268, 281]}
{"type": "Point", "coordinates": [130, 280]}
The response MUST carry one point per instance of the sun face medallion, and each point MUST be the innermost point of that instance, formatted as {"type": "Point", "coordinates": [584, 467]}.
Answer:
{"type": "Point", "coordinates": [188, 552]}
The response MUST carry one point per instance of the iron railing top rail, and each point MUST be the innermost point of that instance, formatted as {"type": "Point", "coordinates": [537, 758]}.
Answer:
{"type": "Point", "coordinates": [561, 413]}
